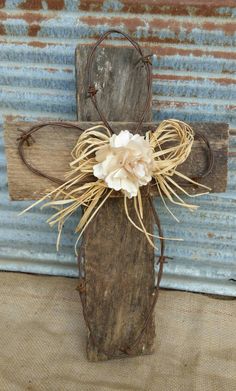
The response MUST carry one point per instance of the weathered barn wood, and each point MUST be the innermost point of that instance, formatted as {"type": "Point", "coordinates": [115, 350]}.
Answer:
{"type": "Point", "coordinates": [193, 80]}
{"type": "Point", "coordinates": [119, 281]}
{"type": "Point", "coordinates": [118, 260]}
{"type": "Point", "coordinates": [52, 142]}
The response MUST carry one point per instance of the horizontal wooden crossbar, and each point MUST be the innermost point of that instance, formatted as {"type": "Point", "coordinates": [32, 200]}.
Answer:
{"type": "Point", "coordinates": [51, 153]}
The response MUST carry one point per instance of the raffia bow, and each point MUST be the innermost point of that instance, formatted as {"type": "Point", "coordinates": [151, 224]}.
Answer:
{"type": "Point", "coordinates": [170, 145]}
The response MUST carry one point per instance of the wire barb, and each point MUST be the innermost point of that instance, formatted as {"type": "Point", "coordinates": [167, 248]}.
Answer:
{"type": "Point", "coordinates": [145, 59]}
{"type": "Point", "coordinates": [81, 286]}
{"type": "Point", "coordinates": [92, 91]}
{"type": "Point", "coordinates": [25, 136]}
{"type": "Point", "coordinates": [91, 195]}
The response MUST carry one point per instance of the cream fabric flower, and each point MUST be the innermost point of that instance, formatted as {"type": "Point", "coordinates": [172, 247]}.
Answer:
{"type": "Point", "coordinates": [125, 164]}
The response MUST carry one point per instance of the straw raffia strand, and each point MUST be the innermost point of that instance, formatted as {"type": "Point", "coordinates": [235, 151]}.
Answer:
{"type": "Point", "coordinates": [171, 144]}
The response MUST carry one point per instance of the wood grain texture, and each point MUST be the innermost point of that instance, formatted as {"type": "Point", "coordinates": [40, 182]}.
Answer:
{"type": "Point", "coordinates": [52, 142]}
{"type": "Point", "coordinates": [119, 274]}
{"type": "Point", "coordinates": [119, 262]}
{"type": "Point", "coordinates": [120, 79]}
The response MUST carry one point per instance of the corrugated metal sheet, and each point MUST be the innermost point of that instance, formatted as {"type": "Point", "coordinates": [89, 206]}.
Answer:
{"type": "Point", "coordinates": [194, 79]}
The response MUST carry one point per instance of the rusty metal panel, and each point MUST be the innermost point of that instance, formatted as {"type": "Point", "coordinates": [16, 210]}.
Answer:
{"type": "Point", "coordinates": [194, 66]}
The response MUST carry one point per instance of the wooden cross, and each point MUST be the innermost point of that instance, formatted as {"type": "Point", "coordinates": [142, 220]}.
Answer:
{"type": "Point", "coordinates": [118, 260]}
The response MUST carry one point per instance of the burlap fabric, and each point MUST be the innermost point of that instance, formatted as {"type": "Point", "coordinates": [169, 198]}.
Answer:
{"type": "Point", "coordinates": [43, 338]}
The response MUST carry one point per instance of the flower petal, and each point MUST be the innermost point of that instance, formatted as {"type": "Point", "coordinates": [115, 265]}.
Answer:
{"type": "Point", "coordinates": [126, 163]}
{"type": "Point", "coordinates": [120, 140]}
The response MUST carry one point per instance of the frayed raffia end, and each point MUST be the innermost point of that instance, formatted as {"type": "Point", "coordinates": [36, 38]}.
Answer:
{"type": "Point", "coordinates": [167, 157]}
{"type": "Point", "coordinates": [171, 144]}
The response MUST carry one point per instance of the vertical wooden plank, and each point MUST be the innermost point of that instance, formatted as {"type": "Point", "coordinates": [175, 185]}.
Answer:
{"type": "Point", "coordinates": [118, 260]}
{"type": "Point", "coordinates": [120, 79]}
